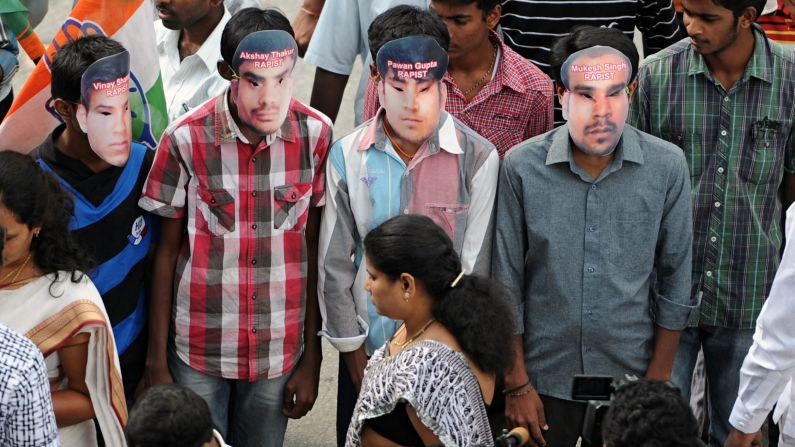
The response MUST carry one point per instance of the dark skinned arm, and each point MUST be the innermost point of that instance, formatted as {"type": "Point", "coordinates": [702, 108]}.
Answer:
{"type": "Point", "coordinates": [160, 301]}
{"type": "Point", "coordinates": [301, 389]}
{"type": "Point", "coordinates": [662, 360]}
{"type": "Point", "coordinates": [73, 404]}
{"type": "Point", "coordinates": [525, 410]}
{"type": "Point", "coordinates": [327, 92]}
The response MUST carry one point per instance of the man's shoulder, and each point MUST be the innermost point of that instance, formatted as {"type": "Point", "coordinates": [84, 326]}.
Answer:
{"type": "Point", "coordinates": [671, 55]}
{"type": "Point", "coordinates": [202, 115]}
{"type": "Point", "coordinates": [656, 150]}
{"type": "Point", "coordinates": [525, 73]}
{"type": "Point", "coordinates": [471, 142]}
{"type": "Point", "coordinates": [16, 350]}
{"type": "Point", "coordinates": [785, 54]}
{"type": "Point", "coordinates": [305, 112]}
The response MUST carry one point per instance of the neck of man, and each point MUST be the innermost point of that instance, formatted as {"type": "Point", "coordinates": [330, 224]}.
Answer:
{"type": "Point", "coordinates": [253, 138]}
{"type": "Point", "coordinates": [409, 147]}
{"type": "Point", "coordinates": [728, 65]}
{"type": "Point", "coordinates": [192, 37]}
{"type": "Point", "coordinates": [474, 62]}
{"type": "Point", "coordinates": [74, 143]}
{"type": "Point", "coordinates": [592, 164]}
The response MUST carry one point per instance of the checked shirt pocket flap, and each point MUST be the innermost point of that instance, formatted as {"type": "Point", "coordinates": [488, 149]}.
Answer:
{"type": "Point", "coordinates": [291, 205]}
{"type": "Point", "coordinates": [216, 211]}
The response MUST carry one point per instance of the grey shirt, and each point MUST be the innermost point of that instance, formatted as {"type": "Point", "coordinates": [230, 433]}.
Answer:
{"type": "Point", "coordinates": [579, 256]}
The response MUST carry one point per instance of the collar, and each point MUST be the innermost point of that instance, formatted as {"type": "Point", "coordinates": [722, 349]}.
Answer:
{"type": "Point", "coordinates": [507, 75]}
{"type": "Point", "coordinates": [227, 130]}
{"type": "Point", "coordinates": [208, 51]}
{"type": "Point", "coordinates": [445, 137]}
{"type": "Point", "coordinates": [759, 66]}
{"type": "Point", "coordinates": [628, 149]}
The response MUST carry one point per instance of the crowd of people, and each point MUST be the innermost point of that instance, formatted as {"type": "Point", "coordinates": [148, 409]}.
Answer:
{"type": "Point", "coordinates": [525, 199]}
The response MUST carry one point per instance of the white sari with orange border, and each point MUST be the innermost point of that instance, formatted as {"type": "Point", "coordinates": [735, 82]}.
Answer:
{"type": "Point", "coordinates": [50, 314]}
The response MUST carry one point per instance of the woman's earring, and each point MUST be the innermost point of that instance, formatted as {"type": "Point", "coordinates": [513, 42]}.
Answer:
{"type": "Point", "coordinates": [406, 296]}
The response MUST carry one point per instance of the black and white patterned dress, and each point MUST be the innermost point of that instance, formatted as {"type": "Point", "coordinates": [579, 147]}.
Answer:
{"type": "Point", "coordinates": [439, 385]}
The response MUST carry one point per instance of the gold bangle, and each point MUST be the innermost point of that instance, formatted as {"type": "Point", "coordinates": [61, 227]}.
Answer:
{"type": "Point", "coordinates": [309, 12]}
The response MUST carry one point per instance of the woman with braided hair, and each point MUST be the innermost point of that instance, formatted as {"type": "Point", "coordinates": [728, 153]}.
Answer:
{"type": "Point", "coordinates": [432, 381]}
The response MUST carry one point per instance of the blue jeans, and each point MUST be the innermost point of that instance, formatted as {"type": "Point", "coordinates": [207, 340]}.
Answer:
{"type": "Point", "coordinates": [724, 352]}
{"type": "Point", "coordinates": [258, 419]}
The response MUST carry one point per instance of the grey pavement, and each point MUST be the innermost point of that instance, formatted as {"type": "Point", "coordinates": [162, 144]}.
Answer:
{"type": "Point", "coordinates": [317, 428]}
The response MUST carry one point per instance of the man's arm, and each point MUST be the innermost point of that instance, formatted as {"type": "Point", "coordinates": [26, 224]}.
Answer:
{"type": "Point", "coordinates": [160, 302]}
{"type": "Point", "coordinates": [770, 363]}
{"type": "Point", "coordinates": [300, 391]}
{"type": "Point", "coordinates": [337, 243]}
{"type": "Point", "coordinates": [524, 407]}
{"type": "Point", "coordinates": [672, 304]}
{"type": "Point", "coordinates": [327, 92]}
{"type": "Point", "coordinates": [304, 23]}
{"type": "Point", "coordinates": [476, 251]}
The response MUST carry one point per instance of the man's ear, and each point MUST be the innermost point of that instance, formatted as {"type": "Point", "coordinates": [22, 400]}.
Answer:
{"type": "Point", "coordinates": [225, 70]}
{"type": "Point", "coordinates": [631, 89]}
{"type": "Point", "coordinates": [81, 115]}
{"type": "Point", "coordinates": [560, 90]}
{"type": "Point", "coordinates": [374, 73]}
{"type": "Point", "coordinates": [493, 16]}
{"type": "Point", "coordinates": [748, 17]}
{"type": "Point", "coordinates": [65, 109]}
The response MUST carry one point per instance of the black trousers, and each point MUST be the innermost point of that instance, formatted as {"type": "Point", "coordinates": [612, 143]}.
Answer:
{"type": "Point", "coordinates": [346, 402]}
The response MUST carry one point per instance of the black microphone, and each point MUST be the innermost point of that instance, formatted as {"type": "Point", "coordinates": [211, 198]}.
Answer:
{"type": "Point", "coordinates": [517, 437]}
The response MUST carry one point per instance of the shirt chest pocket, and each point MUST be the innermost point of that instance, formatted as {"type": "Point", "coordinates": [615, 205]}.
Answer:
{"type": "Point", "coordinates": [762, 163]}
{"type": "Point", "coordinates": [449, 216]}
{"type": "Point", "coordinates": [291, 206]}
{"type": "Point", "coordinates": [215, 211]}
{"type": "Point", "coordinates": [692, 145]}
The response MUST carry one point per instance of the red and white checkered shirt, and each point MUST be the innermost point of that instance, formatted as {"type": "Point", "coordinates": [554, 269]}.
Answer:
{"type": "Point", "coordinates": [241, 273]}
{"type": "Point", "coordinates": [515, 105]}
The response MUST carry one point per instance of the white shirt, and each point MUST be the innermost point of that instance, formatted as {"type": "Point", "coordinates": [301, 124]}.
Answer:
{"type": "Point", "coordinates": [219, 439]}
{"type": "Point", "coordinates": [768, 369]}
{"type": "Point", "coordinates": [341, 35]}
{"type": "Point", "coordinates": [192, 81]}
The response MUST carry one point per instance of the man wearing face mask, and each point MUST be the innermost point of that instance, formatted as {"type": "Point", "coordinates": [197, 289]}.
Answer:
{"type": "Point", "coordinates": [94, 158]}
{"type": "Point", "coordinates": [412, 157]}
{"type": "Point", "coordinates": [240, 182]}
{"type": "Point", "coordinates": [587, 215]}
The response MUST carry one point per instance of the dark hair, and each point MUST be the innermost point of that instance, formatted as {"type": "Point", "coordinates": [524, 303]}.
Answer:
{"type": "Point", "coordinates": [474, 310]}
{"type": "Point", "coordinates": [484, 5]}
{"type": "Point", "coordinates": [737, 7]}
{"type": "Point", "coordinates": [583, 37]}
{"type": "Point", "coordinates": [247, 21]}
{"type": "Point", "coordinates": [2, 241]}
{"type": "Point", "coordinates": [169, 415]}
{"type": "Point", "coordinates": [649, 413]}
{"type": "Point", "coordinates": [73, 59]}
{"type": "Point", "coordinates": [37, 200]}
{"type": "Point", "coordinates": [405, 21]}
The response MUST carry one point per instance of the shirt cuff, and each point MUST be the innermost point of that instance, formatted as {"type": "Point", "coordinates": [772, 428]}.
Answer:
{"type": "Point", "coordinates": [746, 421]}
{"type": "Point", "coordinates": [672, 315]}
{"type": "Point", "coordinates": [348, 344]}
{"type": "Point", "coordinates": [161, 209]}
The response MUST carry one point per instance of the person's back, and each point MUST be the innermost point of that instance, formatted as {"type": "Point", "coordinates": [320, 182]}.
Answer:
{"type": "Point", "coordinates": [26, 416]}
{"type": "Point", "coordinates": [105, 171]}
{"type": "Point", "coordinates": [189, 46]}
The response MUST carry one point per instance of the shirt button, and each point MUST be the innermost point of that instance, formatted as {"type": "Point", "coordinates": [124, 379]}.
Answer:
{"type": "Point", "coordinates": [594, 187]}
{"type": "Point", "coordinates": [292, 196]}
{"type": "Point", "coordinates": [254, 227]}
{"type": "Point", "coordinates": [406, 211]}
{"type": "Point", "coordinates": [720, 170]}
{"type": "Point", "coordinates": [726, 99]}
{"type": "Point", "coordinates": [590, 269]}
{"type": "Point", "coordinates": [723, 133]}
{"type": "Point", "coordinates": [254, 297]}
{"type": "Point", "coordinates": [254, 330]}
{"type": "Point", "coordinates": [713, 239]}
{"type": "Point", "coordinates": [592, 228]}
{"type": "Point", "coordinates": [709, 273]}
{"type": "Point", "coordinates": [717, 204]}
{"type": "Point", "coordinates": [212, 200]}
{"type": "Point", "coordinates": [254, 262]}
{"type": "Point", "coordinates": [254, 194]}
{"type": "Point", "coordinates": [253, 159]}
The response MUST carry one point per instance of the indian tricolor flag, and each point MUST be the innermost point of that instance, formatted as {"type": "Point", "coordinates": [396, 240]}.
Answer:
{"type": "Point", "coordinates": [131, 22]}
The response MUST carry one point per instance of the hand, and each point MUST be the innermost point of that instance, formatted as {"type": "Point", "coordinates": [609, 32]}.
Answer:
{"type": "Point", "coordinates": [739, 439]}
{"type": "Point", "coordinates": [304, 26]}
{"type": "Point", "coordinates": [527, 411]}
{"type": "Point", "coordinates": [300, 391]}
{"type": "Point", "coordinates": [356, 361]}
{"type": "Point", "coordinates": [153, 375]}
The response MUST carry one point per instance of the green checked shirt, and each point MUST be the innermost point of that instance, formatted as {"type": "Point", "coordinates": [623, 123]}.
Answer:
{"type": "Point", "coordinates": [738, 144]}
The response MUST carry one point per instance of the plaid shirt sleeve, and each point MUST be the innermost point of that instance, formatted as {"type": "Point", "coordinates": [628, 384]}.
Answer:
{"type": "Point", "coordinates": [656, 19]}
{"type": "Point", "coordinates": [164, 191]}
{"type": "Point", "coordinates": [319, 154]}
